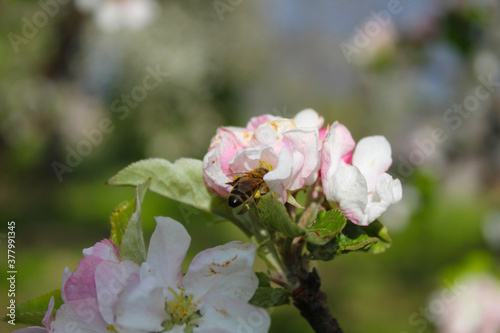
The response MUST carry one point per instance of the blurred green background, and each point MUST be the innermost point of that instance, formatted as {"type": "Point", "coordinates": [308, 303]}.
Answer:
{"type": "Point", "coordinates": [401, 71]}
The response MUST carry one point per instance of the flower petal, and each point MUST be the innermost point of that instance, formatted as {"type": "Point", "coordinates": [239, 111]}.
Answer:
{"type": "Point", "coordinates": [349, 191]}
{"type": "Point", "coordinates": [280, 178]}
{"type": "Point", "coordinates": [222, 271]}
{"type": "Point", "coordinates": [251, 158]}
{"type": "Point", "coordinates": [338, 145]}
{"type": "Point", "coordinates": [257, 121]}
{"type": "Point", "coordinates": [81, 283]}
{"type": "Point", "coordinates": [65, 276]}
{"type": "Point", "coordinates": [105, 249]}
{"type": "Point", "coordinates": [110, 279]}
{"type": "Point", "coordinates": [308, 118]}
{"type": "Point", "coordinates": [233, 315]}
{"type": "Point", "coordinates": [372, 156]}
{"type": "Point", "coordinates": [388, 191]}
{"type": "Point", "coordinates": [167, 250]}
{"type": "Point", "coordinates": [79, 316]}
{"type": "Point", "coordinates": [271, 133]}
{"type": "Point", "coordinates": [32, 329]}
{"type": "Point", "coordinates": [306, 142]}
{"type": "Point", "coordinates": [49, 318]}
{"type": "Point", "coordinates": [141, 307]}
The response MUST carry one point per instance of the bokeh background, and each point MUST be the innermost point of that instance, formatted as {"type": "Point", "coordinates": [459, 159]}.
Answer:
{"type": "Point", "coordinates": [409, 70]}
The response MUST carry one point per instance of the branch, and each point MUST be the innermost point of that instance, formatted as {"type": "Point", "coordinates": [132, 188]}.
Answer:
{"type": "Point", "coordinates": [312, 303]}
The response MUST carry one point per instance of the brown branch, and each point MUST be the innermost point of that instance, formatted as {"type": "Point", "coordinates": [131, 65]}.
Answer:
{"type": "Point", "coordinates": [312, 303]}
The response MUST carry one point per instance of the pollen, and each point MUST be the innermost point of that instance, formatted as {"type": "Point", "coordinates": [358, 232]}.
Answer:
{"type": "Point", "coordinates": [181, 308]}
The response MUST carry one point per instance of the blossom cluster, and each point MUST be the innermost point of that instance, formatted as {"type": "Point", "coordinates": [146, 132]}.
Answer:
{"type": "Point", "coordinates": [106, 293]}
{"type": "Point", "coordinates": [300, 152]}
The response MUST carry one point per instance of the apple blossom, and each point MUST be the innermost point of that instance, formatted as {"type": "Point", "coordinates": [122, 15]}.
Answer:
{"type": "Point", "coordinates": [356, 180]}
{"type": "Point", "coordinates": [473, 310]}
{"type": "Point", "coordinates": [288, 148]}
{"type": "Point", "coordinates": [105, 293]}
{"type": "Point", "coordinates": [47, 321]}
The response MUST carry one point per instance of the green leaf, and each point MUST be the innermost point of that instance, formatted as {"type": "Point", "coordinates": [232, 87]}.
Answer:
{"type": "Point", "coordinates": [272, 213]}
{"type": "Point", "coordinates": [181, 181]}
{"type": "Point", "coordinates": [119, 219]}
{"type": "Point", "coordinates": [132, 245]}
{"type": "Point", "coordinates": [377, 229]}
{"type": "Point", "coordinates": [32, 312]}
{"type": "Point", "coordinates": [327, 225]}
{"type": "Point", "coordinates": [266, 297]}
{"type": "Point", "coordinates": [263, 279]}
{"type": "Point", "coordinates": [352, 238]}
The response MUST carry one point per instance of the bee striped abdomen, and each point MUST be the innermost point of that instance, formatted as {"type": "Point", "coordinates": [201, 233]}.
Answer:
{"type": "Point", "coordinates": [240, 194]}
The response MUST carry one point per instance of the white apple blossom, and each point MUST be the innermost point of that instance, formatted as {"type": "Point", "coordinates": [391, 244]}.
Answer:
{"type": "Point", "coordinates": [357, 181]}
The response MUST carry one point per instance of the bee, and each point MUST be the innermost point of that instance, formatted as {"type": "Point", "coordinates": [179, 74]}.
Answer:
{"type": "Point", "coordinates": [248, 185]}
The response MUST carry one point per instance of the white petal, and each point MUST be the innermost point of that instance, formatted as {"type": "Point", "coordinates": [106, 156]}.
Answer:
{"type": "Point", "coordinates": [65, 276]}
{"type": "Point", "coordinates": [249, 159]}
{"type": "Point", "coordinates": [110, 280]}
{"type": "Point", "coordinates": [79, 316]}
{"type": "Point", "coordinates": [232, 315]}
{"type": "Point", "coordinates": [223, 271]}
{"type": "Point", "coordinates": [350, 192]}
{"type": "Point", "coordinates": [271, 133]}
{"type": "Point", "coordinates": [32, 329]}
{"type": "Point", "coordinates": [388, 191]}
{"type": "Point", "coordinates": [308, 118]}
{"type": "Point", "coordinates": [167, 250]}
{"type": "Point", "coordinates": [141, 307]}
{"type": "Point", "coordinates": [105, 249]}
{"type": "Point", "coordinates": [281, 177]}
{"type": "Point", "coordinates": [372, 156]}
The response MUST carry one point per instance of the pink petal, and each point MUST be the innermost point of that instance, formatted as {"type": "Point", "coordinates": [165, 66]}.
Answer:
{"type": "Point", "coordinates": [372, 156]}
{"type": "Point", "coordinates": [337, 145]}
{"type": "Point", "coordinates": [167, 250]}
{"type": "Point", "coordinates": [81, 283]}
{"type": "Point", "coordinates": [306, 142]}
{"type": "Point", "coordinates": [32, 329]}
{"type": "Point", "coordinates": [213, 175]}
{"type": "Point", "coordinates": [65, 276]}
{"type": "Point", "coordinates": [257, 121]}
{"type": "Point", "coordinates": [48, 318]}
{"type": "Point", "coordinates": [222, 271]}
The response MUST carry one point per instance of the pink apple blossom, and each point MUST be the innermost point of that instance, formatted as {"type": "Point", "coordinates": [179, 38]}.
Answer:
{"type": "Point", "coordinates": [288, 148]}
{"type": "Point", "coordinates": [355, 178]}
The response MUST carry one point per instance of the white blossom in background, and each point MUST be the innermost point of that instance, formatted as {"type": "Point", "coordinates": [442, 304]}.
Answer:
{"type": "Point", "coordinates": [113, 15]}
{"type": "Point", "coordinates": [475, 309]}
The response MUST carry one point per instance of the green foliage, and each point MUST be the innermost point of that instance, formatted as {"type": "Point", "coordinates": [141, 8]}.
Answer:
{"type": "Point", "coordinates": [181, 181]}
{"type": "Point", "coordinates": [119, 219]}
{"type": "Point", "coordinates": [327, 225]}
{"type": "Point", "coordinates": [132, 245]}
{"type": "Point", "coordinates": [266, 297]}
{"type": "Point", "coordinates": [373, 238]}
{"type": "Point", "coordinates": [33, 311]}
{"type": "Point", "coordinates": [272, 214]}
